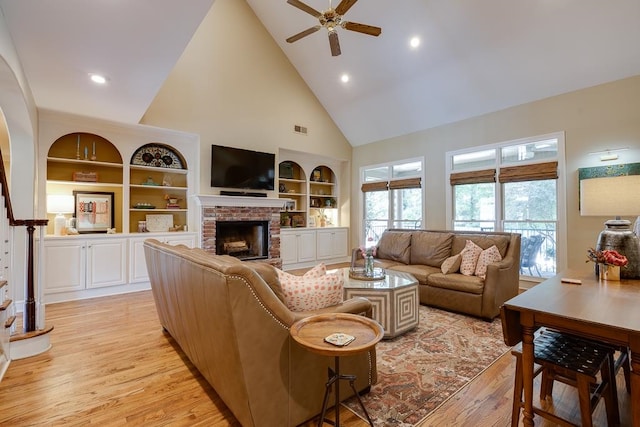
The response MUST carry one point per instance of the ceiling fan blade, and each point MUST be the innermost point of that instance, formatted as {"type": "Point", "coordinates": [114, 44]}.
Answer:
{"type": "Point", "coordinates": [305, 8]}
{"type": "Point", "coordinates": [344, 5]}
{"type": "Point", "coordinates": [362, 28]}
{"type": "Point", "coordinates": [304, 33]}
{"type": "Point", "coordinates": [334, 43]}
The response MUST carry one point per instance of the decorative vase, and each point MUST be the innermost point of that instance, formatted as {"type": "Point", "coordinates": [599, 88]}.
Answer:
{"type": "Point", "coordinates": [368, 265]}
{"type": "Point", "coordinates": [609, 272]}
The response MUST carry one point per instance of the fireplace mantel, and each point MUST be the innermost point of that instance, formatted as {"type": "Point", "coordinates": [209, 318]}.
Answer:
{"type": "Point", "coordinates": [206, 200]}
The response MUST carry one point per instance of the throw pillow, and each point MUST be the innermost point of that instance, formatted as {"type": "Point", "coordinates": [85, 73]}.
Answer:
{"type": "Point", "coordinates": [312, 293]}
{"type": "Point", "coordinates": [451, 264]}
{"type": "Point", "coordinates": [488, 256]}
{"type": "Point", "coordinates": [470, 255]}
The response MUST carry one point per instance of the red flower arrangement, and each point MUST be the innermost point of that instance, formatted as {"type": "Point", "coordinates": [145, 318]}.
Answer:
{"type": "Point", "coordinates": [607, 257]}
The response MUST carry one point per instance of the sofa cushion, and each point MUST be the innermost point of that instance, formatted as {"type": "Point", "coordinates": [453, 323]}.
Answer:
{"type": "Point", "coordinates": [488, 256]}
{"type": "Point", "coordinates": [420, 272]}
{"type": "Point", "coordinates": [311, 291]}
{"type": "Point", "coordinates": [430, 247]}
{"type": "Point", "coordinates": [395, 245]}
{"type": "Point", "coordinates": [470, 255]}
{"type": "Point", "coordinates": [483, 240]}
{"type": "Point", "coordinates": [457, 282]}
{"type": "Point", "coordinates": [451, 264]}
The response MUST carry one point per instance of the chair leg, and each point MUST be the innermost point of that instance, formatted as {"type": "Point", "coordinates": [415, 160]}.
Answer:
{"type": "Point", "coordinates": [611, 392]}
{"type": "Point", "coordinates": [626, 368]}
{"type": "Point", "coordinates": [517, 392]}
{"type": "Point", "coordinates": [584, 396]}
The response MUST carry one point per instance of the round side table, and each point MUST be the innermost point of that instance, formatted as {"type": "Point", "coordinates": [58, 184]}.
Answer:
{"type": "Point", "coordinates": [310, 333]}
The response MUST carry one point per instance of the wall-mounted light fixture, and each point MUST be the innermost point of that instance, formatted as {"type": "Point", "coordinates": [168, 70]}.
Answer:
{"type": "Point", "coordinates": [609, 153]}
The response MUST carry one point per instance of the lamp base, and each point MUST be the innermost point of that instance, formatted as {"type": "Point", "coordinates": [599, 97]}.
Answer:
{"type": "Point", "coordinates": [59, 225]}
{"type": "Point", "coordinates": [618, 236]}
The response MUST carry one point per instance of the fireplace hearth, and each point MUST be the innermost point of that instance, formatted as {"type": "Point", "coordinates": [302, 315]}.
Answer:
{"type": "Point", "coordinates": [245, 240]}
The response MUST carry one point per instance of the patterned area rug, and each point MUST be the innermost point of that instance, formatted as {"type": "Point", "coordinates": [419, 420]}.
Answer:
{"type": "Point", "coordinates": [421, 369]}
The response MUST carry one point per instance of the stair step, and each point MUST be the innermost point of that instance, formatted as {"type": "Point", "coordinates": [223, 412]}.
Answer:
{"type": "Point", "coordinates": [5, 304]}
{"type": "Point", "coordinates": [9, 322]}
{"type": "Point", "coordinates": [25, 335]}
{"type": "Point", "coordinates": [3, 283]}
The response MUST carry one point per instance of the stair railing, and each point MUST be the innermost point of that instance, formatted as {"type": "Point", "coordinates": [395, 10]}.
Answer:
{"type": "Point", "coordinates": [30, 302]}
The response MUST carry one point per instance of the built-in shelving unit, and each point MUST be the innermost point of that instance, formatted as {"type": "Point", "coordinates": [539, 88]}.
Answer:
{"type": "Point", "coordinates": [293, 186]}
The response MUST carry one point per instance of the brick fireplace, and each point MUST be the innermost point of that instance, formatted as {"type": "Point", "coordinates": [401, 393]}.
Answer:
{"type": "Point", "coordinates": [237, 214]}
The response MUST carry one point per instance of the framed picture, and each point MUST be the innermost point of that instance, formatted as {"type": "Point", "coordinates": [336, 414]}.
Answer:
{"type": "Point", "coordinates": [316, 175]}
{"type": "Point", "coordinates": [290, 205]}
{"type": "Point", "coordinates": [311, 221]}
{"type": "Point", "coordinates": [94, 211]}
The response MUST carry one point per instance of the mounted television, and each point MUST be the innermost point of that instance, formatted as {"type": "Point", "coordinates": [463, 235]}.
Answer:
{"type": "Point", "coordinates": [239, 168]}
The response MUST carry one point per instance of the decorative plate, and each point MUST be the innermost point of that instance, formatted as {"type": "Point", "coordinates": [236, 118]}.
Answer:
{"type": "Point", "coordinates": [157, 155]}
{"type": "Point", "coordinates": [159, 222]}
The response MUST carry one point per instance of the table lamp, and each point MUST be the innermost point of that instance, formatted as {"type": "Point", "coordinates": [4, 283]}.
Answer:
{"type": "Point", "coordinates": [615, 196]}
{"type": "Point", "coordinates": [59, 204]}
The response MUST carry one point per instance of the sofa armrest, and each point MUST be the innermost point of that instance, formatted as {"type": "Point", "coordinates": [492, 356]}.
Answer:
{"type": "Point", "coordinates": [501, 284]}
{"type": "Point", "coordinates": [355, 305]}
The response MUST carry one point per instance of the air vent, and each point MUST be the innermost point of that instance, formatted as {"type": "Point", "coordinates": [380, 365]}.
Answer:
{"type": "Point", "coordinates": [300, 129]}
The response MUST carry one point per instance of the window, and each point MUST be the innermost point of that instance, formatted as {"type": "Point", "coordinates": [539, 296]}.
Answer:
{"type": "Point", "coordinates": [392, 198]}
{"type": "Point", "coordinates": [514, 187]}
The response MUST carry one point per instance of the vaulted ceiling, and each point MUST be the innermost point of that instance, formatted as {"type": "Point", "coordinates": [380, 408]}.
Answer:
{"type": "Point", "coordinates": [475, 56]}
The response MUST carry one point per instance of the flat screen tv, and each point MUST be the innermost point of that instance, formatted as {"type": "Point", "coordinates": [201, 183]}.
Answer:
{"type": "Point", "coordinates": [238, 168]}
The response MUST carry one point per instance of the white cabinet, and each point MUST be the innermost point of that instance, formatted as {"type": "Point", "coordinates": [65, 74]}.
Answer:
{"type": "Point", "coordinates": [75, 264]}
{"type": "Point", "coordinates": [138, 265]}
{"type": "Point", "coordinates": [297, 246]}
{"type": "Point", "coordinates": [301, 248]}
{"type": "Point", "coordinates": [332, 243]}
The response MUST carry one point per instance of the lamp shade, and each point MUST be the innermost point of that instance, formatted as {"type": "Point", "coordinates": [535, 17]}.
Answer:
{"type": "Point", "coordinates": [60, 203]}
{"type": "Point", "coordinates": [610, 196]}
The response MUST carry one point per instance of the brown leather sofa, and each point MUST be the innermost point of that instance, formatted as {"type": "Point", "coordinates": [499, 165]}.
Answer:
{"type": "Point", "coordinates": [227, 318]}
{"type": "Point", "coordinates": [422, 252]}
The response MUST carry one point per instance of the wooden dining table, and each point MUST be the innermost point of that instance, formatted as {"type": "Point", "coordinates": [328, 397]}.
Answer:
{"type": "Point", "coordinates": [607, 311]}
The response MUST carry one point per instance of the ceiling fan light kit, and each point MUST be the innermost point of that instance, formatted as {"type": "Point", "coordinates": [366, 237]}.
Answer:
{"type": "Point", "coordinates": [331, 19]}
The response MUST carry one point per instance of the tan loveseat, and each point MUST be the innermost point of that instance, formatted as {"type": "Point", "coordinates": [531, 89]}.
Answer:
{"type": "Point", "coordinates": [226, 317]}
{"type": "Point", "coordinates": [422, 252]}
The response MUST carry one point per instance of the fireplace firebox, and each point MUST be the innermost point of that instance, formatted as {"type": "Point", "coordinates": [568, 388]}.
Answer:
{"type": "Point", "coordinates": [246, 240]}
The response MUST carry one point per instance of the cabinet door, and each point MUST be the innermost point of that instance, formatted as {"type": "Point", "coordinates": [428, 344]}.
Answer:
{"type": "Point", "coordinates": [288, 248]}
{"type": "Point", "coordinates": [332, 243]}
{"type": "Point", "coordinates": [340, 242]}
{"type": "Point", "coordinates": [306, 246]}
{"type": "Point", "coordinates": [324, 244]}
{"type": "Point", "coordinates": [138, 263]}
{"type": "Point", "coordinates": [64, 264]}
{"type": "Point", "coordinates": [106, 261]}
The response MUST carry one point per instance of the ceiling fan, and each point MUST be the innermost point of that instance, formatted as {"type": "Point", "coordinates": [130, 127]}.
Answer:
{"type": "Point", "coordinates": [331, 19]}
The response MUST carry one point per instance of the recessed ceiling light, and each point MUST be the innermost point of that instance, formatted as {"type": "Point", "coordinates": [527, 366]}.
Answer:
{"type": "Point", "coordinates": [98, 78]}
{"type": "Point", "coordinates": [345, 78]}
{"type": "Point", "coordinates": [414, 42]}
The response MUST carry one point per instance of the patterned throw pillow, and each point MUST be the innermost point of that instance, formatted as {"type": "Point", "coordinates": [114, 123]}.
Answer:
{"type": "Point", "coordinates": [314, 290]}
{"type": "Point", "coordinates": [451, 264]}
{"type": "Point", "coordinates": [488, 256]}
{"type": "Point", "coordinates": [470, 255]}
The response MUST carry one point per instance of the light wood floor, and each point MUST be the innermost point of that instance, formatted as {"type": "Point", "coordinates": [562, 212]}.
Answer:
{"type": "Point", "coordinates": [111, 364]}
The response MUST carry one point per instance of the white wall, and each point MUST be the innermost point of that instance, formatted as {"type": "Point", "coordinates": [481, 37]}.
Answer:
{"type": "Point", "coordinates": [18, 108]}
{"type": "Point", "coordinates": [593, 119]}
{"type": "Point", "coordinates": [234, 86]}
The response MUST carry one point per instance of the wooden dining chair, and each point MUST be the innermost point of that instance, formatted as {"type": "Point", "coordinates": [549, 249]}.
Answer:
{"type": "Point", "coordinates": [574, 361]}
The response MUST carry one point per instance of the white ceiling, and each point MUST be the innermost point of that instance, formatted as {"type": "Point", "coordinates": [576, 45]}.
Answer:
{"type": "Point", "coordinates": [476, 56]}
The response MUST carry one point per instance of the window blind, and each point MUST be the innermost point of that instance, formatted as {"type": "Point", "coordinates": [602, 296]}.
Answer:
{"type": "Point", "coordinates": [475, 177]}
{"type": "Point", "coordinates": [535, 172]}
